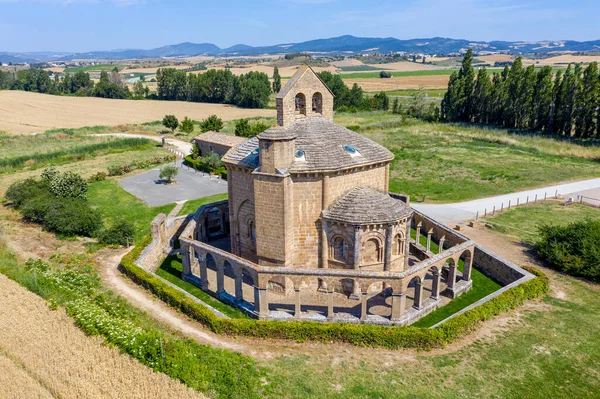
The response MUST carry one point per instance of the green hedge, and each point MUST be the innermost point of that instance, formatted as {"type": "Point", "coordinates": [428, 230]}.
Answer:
{"type": "Point", "coordinates": [356, 334]}
{"type": "Point", "coordinates": [198, 165]}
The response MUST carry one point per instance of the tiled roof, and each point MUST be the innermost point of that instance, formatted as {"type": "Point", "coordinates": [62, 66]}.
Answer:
{"type": "Point", "coordinates": [220, 138]}
{"type": "Point", "coordinates": [322, 142]}
{"type": "Point", "coordinates": [365, 205]}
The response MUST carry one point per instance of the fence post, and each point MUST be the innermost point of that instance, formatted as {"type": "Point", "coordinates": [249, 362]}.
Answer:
{"type": "Point", "coordinates": [527, 203]}
{"type": "Point", "coordinates": [517, 201]}
{"type": "Point", "coordinates": [494, 210]}
{"type": "Point", "coordinates": [477, 216]}
{"type": "Point", "coordinates": [485, 214]}
{"type": "Point", "coordinates": [556, 194]}
{"type": "Point", "coordinates": [545, 196]}
{"type": "Point", "coordinates": [502, 207]}
{"type": "Point", "coordinates": [535, 200]}
{"type": "Point", "coordinates": [508, 204]}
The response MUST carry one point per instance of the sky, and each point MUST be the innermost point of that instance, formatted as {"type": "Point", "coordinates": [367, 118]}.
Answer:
{"type": "Point", "coordinates": [87, 25]}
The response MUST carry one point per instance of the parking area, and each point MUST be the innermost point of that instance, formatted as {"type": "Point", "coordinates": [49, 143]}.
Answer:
{"type": "Point", "coordinates": [189, 184]}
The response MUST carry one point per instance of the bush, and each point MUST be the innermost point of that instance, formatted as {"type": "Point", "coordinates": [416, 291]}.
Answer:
{"type": "Point", "coordinates": [385, 75]}
{"type": "Point", "coordinates": [187, 125]}
{"type": "Point", "coordinates": [72, 217]}
{"type": "Point", "coordinates": [120, 233]}
{"type": "Point", "coordinates": [572, 249]}
{"type": "Point", "coordinates": [360, 335]}
{"type": "Point", "coordinates": [69, 185]}
{"type": "Point", "coordinates": [100, 176]}
{"type": "Point", "coordinates": [21, 191]}
{"type": "Point", "coordinates": [243, 128]}
{"type": "Point", "coordinates": [168, 172]}
{"type": "Point", "coordinates": [213, 123]}
{"type": "Point", "coordinates": [170, 122]}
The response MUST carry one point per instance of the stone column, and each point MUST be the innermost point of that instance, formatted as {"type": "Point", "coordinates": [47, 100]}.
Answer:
{"type": "Point", "coordinates": [398, 304]}
{"type": "Point", "coordinates": [407, 244]}
{"type": "Point", "coordinates": [363, 306]}
{"type": "Point", "coordinates": [451, 277]}
{"type": "Point", "coordinates": [330, 314]}
{"type": "Point", "coordinates": [356, 248]}
{"type": "Point", "coordinates": [418, 235]}
{"type": "Point", "coordinates": [220, 278]}
{"type": "Point", "coordinates": [468, 268]}
{"type": "Point", "coordinates": [325, 192]}
{"type": "Point", "coordinates": [185, 259]}
{"type": "Point", "coordinates": [324, 252]}
{"type": "Point", "coordinates": [261, 302]}
{"type": "Point", "coordinates": [389, 238]}
{"type": "Point", "coordinates": [435, 287]}
{"type": "Point", "coordinates": [418, 295]}
{"type": "Point", "coordinates": [442, 241]}
{"type": "Point", "coordinates": [429, 233]}
{"type": "Point", "coordinates": [203, 272]}
{"type": "Point", "coordinates": [239, 286]}
{"type": "Point", "coordinates": [297, 308]}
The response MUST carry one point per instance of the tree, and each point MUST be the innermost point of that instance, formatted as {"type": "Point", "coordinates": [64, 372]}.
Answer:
{"type": "Point", "coordinates": [385, 75]}
{"type": "Point", "coordinates": [170, 122]}
{"type": "Point", "coordinates": [466, 75]}
{"type": "Point", "coordinates": [213, 123]}
{"type": "Point", "coordinates": [380, 101]}
{"type": "Point", "coordinates": [276, 80]}
{"type": "Point", "coordinates": [450, 103]}
{"type": "Point", "coordinates": [69, 185]}
{"type": "Point", "coordinates": [395, 106]}
{"type": "Point", "coordinates": [187, 125]}
{"type": "Point", "coordinates": [139, 90]}
{"type": "Point", "coordinates": [213, 160]}
{"type": "Point", "coordinates": [481, 97]}
{"type": "Point", "coordinates": [168, 172]}
{"type": "Point", "coordinates": [542, 101]}
{"type": "Point", "coordinates": [242, 128]}
{"type": "Point", "coordinates": [587, 99]}
{"type": "Point", "coordinates": [253, 90]}
{"type": "Point", "coordinates": [120, 233]}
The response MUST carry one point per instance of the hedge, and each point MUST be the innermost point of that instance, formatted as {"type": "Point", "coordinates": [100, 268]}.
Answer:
{"type": "Point", "coordinates": [355, 334]}
{"type": "Point", "coordinates": [198, 165]}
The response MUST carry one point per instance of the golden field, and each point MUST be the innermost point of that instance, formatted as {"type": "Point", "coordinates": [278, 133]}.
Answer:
{"type": "Point", "coordinates": [24, 112]}
{"type": "Point", "coordinates": [44, 355]}
{"type": "Point", "coordinates": [400, 82]}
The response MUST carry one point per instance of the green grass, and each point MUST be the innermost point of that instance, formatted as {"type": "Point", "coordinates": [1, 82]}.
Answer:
{"type": "Point", "coordinates": [193, 205]}
{"type": "Point", "coordinates": [454, 162]}
{"type": "Point", "coordinates": [522, 222]}
{"type": "Point", "coordinates": [171, 269]}
{"type": "Point", "coordinates": [99, 67]}
{"type": "Point", "coordinates": [114, 202]}
{"type": "Point", "coordinates": [359, 68]}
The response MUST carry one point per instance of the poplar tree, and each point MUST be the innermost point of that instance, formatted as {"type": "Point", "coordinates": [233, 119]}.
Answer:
{"type": "Point", "coordinates": [482, 97]}
{"type": "Point", "coordinates": [276, 80]}
{"type": "Point", "coordinates": [587, 101]}
{"type": "Point", "coordinates": [466, 76]}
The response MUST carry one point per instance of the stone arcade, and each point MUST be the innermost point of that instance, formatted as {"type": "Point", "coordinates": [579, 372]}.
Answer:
{"type": "Point", "coordinates": [309, 210]}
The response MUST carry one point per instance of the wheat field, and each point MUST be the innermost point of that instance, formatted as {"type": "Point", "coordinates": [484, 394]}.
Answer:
{"type": "Point", "coordinates": [24, 112]}
{"type": "Point", "coordinates": [400, 82]}
{"type": "Point", "coordinates": [44, 355]}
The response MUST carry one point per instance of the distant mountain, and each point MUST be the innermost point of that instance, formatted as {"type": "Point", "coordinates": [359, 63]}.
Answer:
{"type": "Point", "coordinates": [335, 45]}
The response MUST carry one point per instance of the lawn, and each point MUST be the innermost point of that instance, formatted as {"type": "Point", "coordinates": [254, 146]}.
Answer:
{"type": "Point", "coordinates": [193, 205]}
{"type": "Point", "coordinates": [522, 222]}
{"type": "Point", "coordinates": [454, 162]}
{"type": "Point", "coordinates": [114, 203]}
{"type": "Point", "coordinates": [171, 269]}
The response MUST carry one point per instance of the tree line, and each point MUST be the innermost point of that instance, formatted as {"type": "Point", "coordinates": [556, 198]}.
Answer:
{"type": "Point", "coordinates": [80, 84]}
{"type": "Point", "coordinates": [352, 99]}
{"type": "Point", "coordinates": [562, 103]}
{"type": "Point", "coordinates": [250, 90]}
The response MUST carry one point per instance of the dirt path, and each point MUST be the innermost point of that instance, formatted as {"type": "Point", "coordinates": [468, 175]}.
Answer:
{"type": "Point", "coordinates": [158, 309]}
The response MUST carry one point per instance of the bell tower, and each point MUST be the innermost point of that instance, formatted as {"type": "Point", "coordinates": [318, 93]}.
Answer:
{"type": "Point", "coordinates": [303, 96]}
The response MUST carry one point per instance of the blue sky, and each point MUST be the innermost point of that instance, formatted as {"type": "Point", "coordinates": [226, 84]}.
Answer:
{"type": "Point", "coordinates": [84, 25]}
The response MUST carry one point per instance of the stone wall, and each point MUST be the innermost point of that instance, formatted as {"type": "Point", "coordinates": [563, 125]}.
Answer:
{"type": "Point", "coordinates": [206, 147]}
{"type": "Point", "coordinates": [496, 267]}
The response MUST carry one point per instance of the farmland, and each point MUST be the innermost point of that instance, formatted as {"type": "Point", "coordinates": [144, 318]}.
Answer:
{"type": "Point", "coordinates": [25, 112]}
{"type": "Point", "coordinates": [94, 68]}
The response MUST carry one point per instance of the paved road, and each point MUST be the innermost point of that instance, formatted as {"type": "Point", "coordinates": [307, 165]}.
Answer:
{"type": "Point", "coordinates": [189, 185]}
{"type": "Point", "coordinates": [464, 211]}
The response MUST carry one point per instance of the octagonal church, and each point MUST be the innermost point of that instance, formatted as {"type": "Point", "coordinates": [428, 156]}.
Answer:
{"type": "Point", "coordinates": [311, 193]}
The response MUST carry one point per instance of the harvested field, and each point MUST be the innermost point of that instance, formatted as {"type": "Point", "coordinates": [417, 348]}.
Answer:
{"type": "Point", "coordinates": [133, 69]}
{"type": "Point", "coordinates": [24, 112]}
{"type": "Point", "coordinates": [495, 58]}
{"type": "Point", "coordinates": [287, 71]}
{"type": "Point", "coordinates": [400, 82]}
{"type": "Point", "coordinates": [563, 60]}
{"type": "Point", "coordinates": [402, 66]}
{"type": "Point", "coordinates": [44, 355]}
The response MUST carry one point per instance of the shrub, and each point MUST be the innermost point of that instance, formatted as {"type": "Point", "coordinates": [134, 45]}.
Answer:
{"type": "Point", "coordinates": [100, 176]}
{"type": "Point", "coordinates": [72, 217]}
{"type": "Point", "coordinates": [213, 123]}
{"type": "Point", "coordinates": [69, 185]}
{"type": "Point", "coordinates": [187, 125]}
{"type": "Point", "coordinates": [120, 233]}
{"type": "Point", "coordinates": [212, 160]}
{"type": "Point", "coordinates": [384, 75]}
{"type": "Point", "coordinates": [49, 174]}
{"type": "Point", "coordinates": [21, 191]}
{"type": "Point", "coordinates": [354, 128]}
{"type": "Point", "coordinates": [572, 249]}
{"type": "Point", "coordinates": [243, 128]}
{"type": "Point", "coordinates": [168, 172]}
{"type": "Point", "coordinates": [170, 122]}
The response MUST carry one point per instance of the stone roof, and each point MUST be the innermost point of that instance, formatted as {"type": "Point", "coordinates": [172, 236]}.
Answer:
{"type": "Point", "coordinates": [364, 205]}
{"type": "Point", "coordinates": [322, 142]}
{"type": "Point", "coordinates": [299, 73]}
{"type": "Point", "coordinates": [220, 138]}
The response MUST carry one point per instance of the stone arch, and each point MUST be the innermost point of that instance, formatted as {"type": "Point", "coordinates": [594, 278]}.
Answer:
{"type": "Point", "coordinates": [415, 291]}
{"type": "Point", "coordinates": [214, 222]}
{"type": "Point", "coordinates": [317, 103]}
{"type": "Point", "coordinates": [300, 104]}
{"type": "Point", "coordinates": [372, 251]}
{"type": "Point", "coordinates": [377, 302]}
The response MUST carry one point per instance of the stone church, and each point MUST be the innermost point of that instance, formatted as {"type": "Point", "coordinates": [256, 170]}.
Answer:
{"type": "Point", "coordinates": [309, 193]}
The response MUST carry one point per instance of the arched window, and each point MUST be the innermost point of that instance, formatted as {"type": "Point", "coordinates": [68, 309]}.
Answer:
{"type": "Point", "coordinates": [251, 230]}
{"type": "Point", "coordinates": [340, 249]}
{"type": "Point", "coordinates": [398, 245]}
{"type": "Point", "coordinates": [372, 252]}
{"type": "Point", "coordinates": [317, 103]}
{"type": "Point", "coordinates": [300, 104]}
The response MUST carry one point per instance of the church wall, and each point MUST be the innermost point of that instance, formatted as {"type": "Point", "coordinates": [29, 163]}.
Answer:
{"type": "Point", "coordinates": [341, 184]}
{"type": "Point", "coordinates": [241, 212]}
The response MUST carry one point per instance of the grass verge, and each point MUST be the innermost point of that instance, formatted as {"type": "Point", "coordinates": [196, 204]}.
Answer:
{"type": "Point", "coordinates": [193, 205]}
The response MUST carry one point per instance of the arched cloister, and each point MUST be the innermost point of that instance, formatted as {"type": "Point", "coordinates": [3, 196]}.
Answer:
{"type": "Point", "coordinates": [415, 292]}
